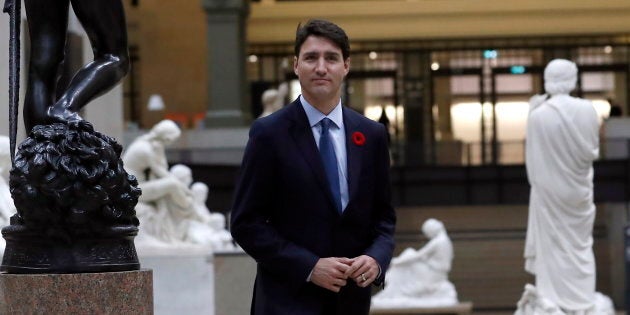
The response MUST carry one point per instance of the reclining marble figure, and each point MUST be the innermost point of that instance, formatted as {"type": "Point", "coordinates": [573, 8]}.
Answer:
{"type": "Point", "coordinates": [419, 278]}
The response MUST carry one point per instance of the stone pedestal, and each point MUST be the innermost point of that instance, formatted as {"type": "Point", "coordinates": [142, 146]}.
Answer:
{"type": "Point", "coordinates": [129, 292]}
{"type": "Point", "coordinates": [234, 277]}
{"type": "Point", "coordinates": [183, 278]}
{"type": "Point", "coordinates": [463, 308]}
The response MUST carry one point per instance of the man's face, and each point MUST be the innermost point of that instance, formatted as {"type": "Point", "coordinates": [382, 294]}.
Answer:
{"type": "Point", "coordinates": [320, 68]}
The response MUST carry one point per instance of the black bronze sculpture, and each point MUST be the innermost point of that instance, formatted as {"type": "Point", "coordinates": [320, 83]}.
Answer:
{"type": "Point", "coordinates": [104, 22]}
{"type": "Point", "coordinates": [75, 202]}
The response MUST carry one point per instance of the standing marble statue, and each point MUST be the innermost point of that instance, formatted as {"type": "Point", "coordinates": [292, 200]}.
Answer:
{"type": "Point", "coordinates": [419, 278]}
{"type": "Point", "coordinates": [562, 143]}
{"type": "Point", "coordinates": [272, 99]}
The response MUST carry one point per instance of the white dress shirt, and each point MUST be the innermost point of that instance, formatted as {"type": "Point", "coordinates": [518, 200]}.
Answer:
{"type": "Point", "coordinates": [338, 134]}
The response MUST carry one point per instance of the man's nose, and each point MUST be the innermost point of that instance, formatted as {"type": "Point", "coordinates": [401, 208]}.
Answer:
{"type": "Point", "coordinates": [320, 66]}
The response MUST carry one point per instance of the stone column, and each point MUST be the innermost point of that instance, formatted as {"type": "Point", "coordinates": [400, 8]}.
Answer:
{"type": "Point", "coordinates": [420, 141]}
{"type": "Point", "coordinates": [227, 85]}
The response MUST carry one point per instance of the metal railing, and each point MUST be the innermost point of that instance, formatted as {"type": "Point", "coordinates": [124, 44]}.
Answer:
{"type": "Point", "coordinates": [458, 153]}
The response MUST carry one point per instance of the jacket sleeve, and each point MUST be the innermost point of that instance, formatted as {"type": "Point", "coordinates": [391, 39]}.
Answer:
{"type": "Point", "coordinates": [382, 247]}
{"type": "Point", "coordinates": [253, 204]}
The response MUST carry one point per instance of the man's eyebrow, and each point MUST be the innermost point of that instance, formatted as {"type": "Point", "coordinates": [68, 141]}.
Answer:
{"type": "Point", "coordinates": [327, 53]}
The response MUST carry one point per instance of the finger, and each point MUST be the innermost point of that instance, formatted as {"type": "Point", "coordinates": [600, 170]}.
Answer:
{"type": "Point", "coordinates": [339, 272]}
{"type": "Point", "coordinates": [333, 288]}
{"type": "Point", "coordinates": [363, 270]}
{"type": "Point", "coordinates": [343, 268]}
{"type": "Point", "coordinates": [358, 280]}
{"type": "Point", "coordinates": [356, 266]}
{"type": "Point", "coordinates": [363, 277]}
{"type": "Point", "coordinates": [351, 270]}
{"type": "Point", "coordinates": [367, 266]}
{"type": "Point", "coordinates": [367, 282]}
{"type": "Point", "coordinates": [345, 260]}
{"type": "Point", "coordinates": [340, 282]}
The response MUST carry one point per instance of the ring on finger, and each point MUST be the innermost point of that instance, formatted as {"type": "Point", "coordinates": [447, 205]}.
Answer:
{"type": "Point", "coordinates": [363, 277]}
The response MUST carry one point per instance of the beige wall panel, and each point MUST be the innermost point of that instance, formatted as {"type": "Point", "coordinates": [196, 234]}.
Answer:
{"type": "Point", "coordinates": [425, 19]}
{"type": "Point", "coordinates": [173, 62]}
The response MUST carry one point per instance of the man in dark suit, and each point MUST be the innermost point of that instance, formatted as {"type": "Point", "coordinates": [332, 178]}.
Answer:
{"type": "Point", "coordinates": [312, 204]}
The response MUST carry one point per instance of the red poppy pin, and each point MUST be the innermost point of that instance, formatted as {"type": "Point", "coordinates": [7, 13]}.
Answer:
{"type": "Point", "coordinates": [358, 138]}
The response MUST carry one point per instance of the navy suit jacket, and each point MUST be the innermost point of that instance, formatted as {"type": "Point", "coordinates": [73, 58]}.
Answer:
{"type": "Point", "coordinates": [285, 218]}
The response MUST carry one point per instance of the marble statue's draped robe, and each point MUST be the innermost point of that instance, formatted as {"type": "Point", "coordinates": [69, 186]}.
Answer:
{"type": "Point", "coordinates": [562, 142]}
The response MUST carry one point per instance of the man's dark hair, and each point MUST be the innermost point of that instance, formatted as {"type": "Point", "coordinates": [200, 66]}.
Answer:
{"type": "Point", "coordinates": [324, 29]}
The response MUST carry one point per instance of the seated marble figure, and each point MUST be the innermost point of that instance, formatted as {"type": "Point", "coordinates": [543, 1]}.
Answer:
{"type": "Point", "coordinates": [214, 222]}
{"type": "Point", "coordinates": [419, 278]}
{"type": "Point", "coordinates": [170, 210]}
{"type": "Point", "coordinates": [145, 158]}
{"type": "Point", "coordinates": [195, 223]}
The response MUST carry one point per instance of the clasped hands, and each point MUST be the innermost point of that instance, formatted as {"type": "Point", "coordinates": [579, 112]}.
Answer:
{"type": "Point", "coordinates": [332, 273]}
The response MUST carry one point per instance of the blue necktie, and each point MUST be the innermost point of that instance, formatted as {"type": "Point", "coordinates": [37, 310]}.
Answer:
{"type": "Point", "coordinates": [327, 152]}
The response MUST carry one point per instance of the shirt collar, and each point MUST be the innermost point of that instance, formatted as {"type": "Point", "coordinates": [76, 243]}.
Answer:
{"type": "Point", "coordinates": [315, 116]}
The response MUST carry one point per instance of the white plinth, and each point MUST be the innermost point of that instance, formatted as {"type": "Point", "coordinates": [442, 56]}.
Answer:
{"type": "Point", "coordinates": [462, 308]}
{"type": "Point", "coordinates": [235, 274]}
{"type": "Point", "coordinates": [183, 279]}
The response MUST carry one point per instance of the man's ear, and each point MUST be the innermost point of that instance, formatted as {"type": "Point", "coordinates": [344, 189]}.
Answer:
{"type": "Point", "coordinates": [346, 65]}
{"type": "Point", "coordinates": [295, 64]}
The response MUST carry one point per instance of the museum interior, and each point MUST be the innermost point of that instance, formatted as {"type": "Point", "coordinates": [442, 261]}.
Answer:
{"type": "Point", "coordinates": [450, 79]}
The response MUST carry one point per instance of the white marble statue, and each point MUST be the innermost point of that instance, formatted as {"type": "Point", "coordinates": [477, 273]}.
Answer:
{"type": "Point", "coordinates": [183, 217]}
{"type": "Point", "coordinates": [221, 238]}
{"type": "Point", "coordinates": [272, 99]}
{"type": "Point", "coordinates": [204, 227]}
{"type": "Point", "coordinates": [145, 158]}
{"type": "Point", "coordinates": [532, 302]}
{"type": "Point", "coordinates": [200, 196]}
{"type": "Point", "coordinates": [7, 207]}
{"type": "Point", "coordinates": [562, 143]}
{"type": "Point", "coordinates": [169, 209]}
{"type": "Point", "coordinates": [419, 278]}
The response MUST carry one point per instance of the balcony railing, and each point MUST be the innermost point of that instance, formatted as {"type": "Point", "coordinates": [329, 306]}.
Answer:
{"type": "Point", "coordinates": [457, 153]}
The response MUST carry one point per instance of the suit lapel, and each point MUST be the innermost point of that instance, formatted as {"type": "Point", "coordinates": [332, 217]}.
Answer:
{"type": "Point", "coordinates": [302, 134]}
{"type": "Point", "coordinates": [353, 153]}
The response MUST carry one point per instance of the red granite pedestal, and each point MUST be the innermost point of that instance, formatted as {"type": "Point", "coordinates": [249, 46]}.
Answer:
{"type": "Point", "coordinates": [129, 292]}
